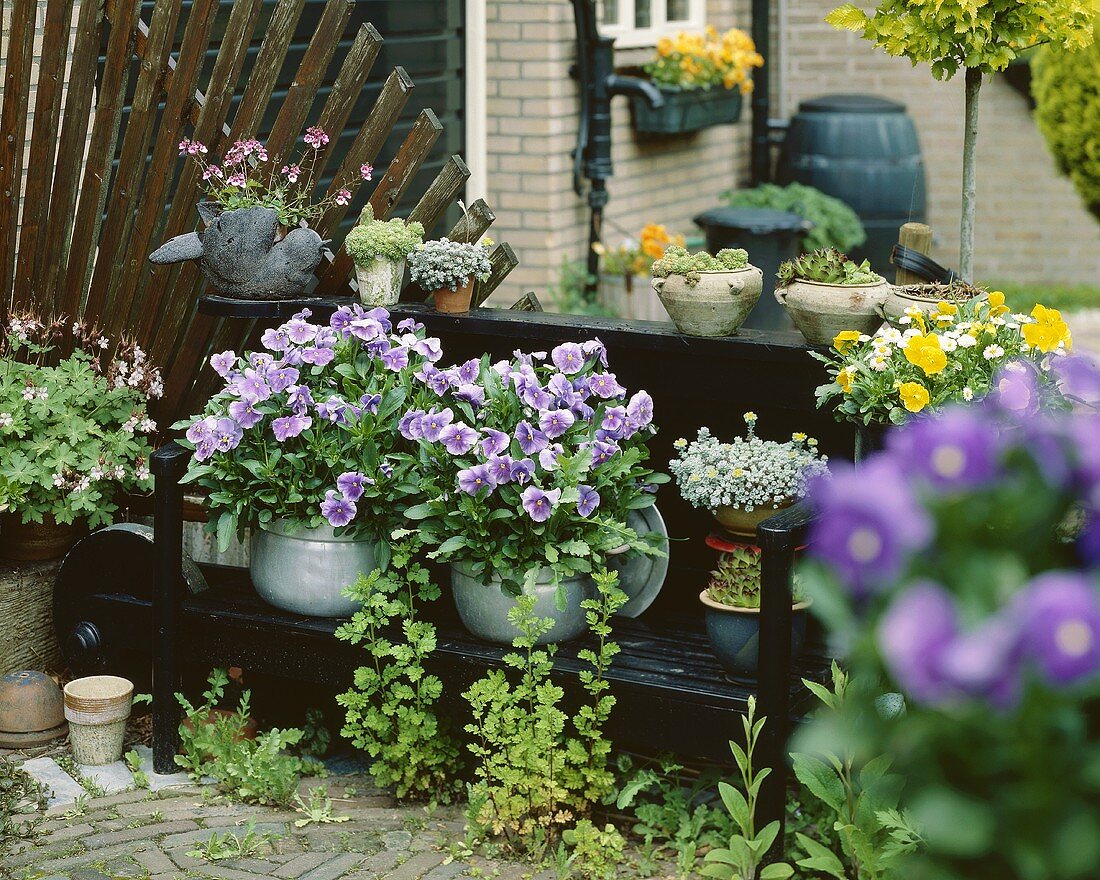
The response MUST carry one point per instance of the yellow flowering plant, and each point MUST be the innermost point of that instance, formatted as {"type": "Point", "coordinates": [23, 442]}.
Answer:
{"type": "Point", "coordinates": [637, 256]}
{"type": "Point", "coordinates": [949, 355]}
{"type": "Point", "coordinates": [705, 60]}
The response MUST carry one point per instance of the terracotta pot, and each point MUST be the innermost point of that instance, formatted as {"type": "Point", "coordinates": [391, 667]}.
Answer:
{"type": "Point", "coordinates": [899, 299]}
{"type": "Point", "coordinates": [32, 710]}
{"type": "Point", "coordinates": [34, 542]}
{"type": "Point", "coordinates": [742, 523]}
{"type": "Point", "coordinates": [717, 305]}
{"type": "Point", "coordinates": [454, 302]}
{"type": "Point", "coordinates": [821, 311]}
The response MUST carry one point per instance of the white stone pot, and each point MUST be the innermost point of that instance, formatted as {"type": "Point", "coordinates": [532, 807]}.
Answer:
{"type": "Point", "coordinates": [717, 305]}
{"type": "Point", "coordinates": [380, 281]}
{"type": "Point", "coordinates": [821, 311]}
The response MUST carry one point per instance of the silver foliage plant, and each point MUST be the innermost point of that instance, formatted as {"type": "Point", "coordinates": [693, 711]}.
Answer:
{"type": "Point", "coordinates": [444, 263]}
{"type": "Point", "coordinates": [747, 473]}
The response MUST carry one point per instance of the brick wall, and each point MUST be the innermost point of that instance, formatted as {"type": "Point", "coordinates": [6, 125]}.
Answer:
{"type": "Point", "coordinates": [1031, 225]}
{"type": "Point", "coordinates": [532, 124]}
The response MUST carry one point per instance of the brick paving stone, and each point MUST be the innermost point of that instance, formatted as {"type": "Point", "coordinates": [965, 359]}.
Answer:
{"type": "Point", "coordinates": [379, 863]}
{"type": "Point", "coordinates": [216, 871]}
{"type": "Point", "coordinates": [300, 864]}
{"type": "Point", "coordinates": [155, 861]}
{"type": "Point", "coordinates": [398, 840]}
{"type": "Point", "coordinates": [65, 832]}
{"type": "Point", "coordinates": [448, 871]}
{"type": "Point", "coordinates": [87, 857]}
{"type": "Point", "coordinates": [189, 838]}
{"type": "Point", "coordinates": [416, 867]}
{"type": "Point", "coordinates": [63, 789]}
{"type": "Point", "coordinates": [113, 778]}
{"type": "Point", "coordinates": [145, 831]}
{"type": "Point", "coordinates": [334, 868]}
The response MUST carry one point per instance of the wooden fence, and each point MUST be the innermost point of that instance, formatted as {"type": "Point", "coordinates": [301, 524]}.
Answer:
{"type": "Point", "coordinates": [102, 190]}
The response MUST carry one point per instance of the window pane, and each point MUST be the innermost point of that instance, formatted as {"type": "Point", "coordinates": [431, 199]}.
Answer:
{"type": "Point", "coordinates": [679, 10]}
{"type": "Point", "coordinates": [609, 11]}
{"type": "Point", "coordinates": [643, 14]}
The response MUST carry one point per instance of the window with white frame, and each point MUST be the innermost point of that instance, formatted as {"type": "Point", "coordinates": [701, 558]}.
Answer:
{"type": "Point", "coordinates": [643, 22]}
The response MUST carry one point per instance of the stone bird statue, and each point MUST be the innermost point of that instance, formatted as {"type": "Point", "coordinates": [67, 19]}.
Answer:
{"type": "Point", "coordinates": [240, 257]}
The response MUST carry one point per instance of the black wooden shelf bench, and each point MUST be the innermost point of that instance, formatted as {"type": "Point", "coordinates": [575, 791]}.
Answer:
{"type": "Point", "coordinates": [671, 693]}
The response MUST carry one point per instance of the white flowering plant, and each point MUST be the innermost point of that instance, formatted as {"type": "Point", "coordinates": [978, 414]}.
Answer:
{"type": "Point", "coordinates": [748, 473]}
{"type": "Point", "coordinates": [446, 264]}
{"type": "Point", "coordinates": [74, 423]}
{"type": "Point", "coordinates": [952, 354]}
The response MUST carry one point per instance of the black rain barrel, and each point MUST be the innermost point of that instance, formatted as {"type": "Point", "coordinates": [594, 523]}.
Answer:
{"type": "Point", "coordinates": [770, 237]}
{"type": "Point", "coordinates": [863, 150]}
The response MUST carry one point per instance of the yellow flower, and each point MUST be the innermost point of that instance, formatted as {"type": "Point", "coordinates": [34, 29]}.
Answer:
{"type": "Point", "coordinates": [997, 304]}
{"type": "Point", "coordinates": [844, 379]}
{"type": "Point", "coordinates": [924, 351]}
{"type": "Point", "coordinates": [798, 436]}
{"type": "Point", "coordinates": [845, 340]}
{"type": "Point", "coordinates": [1048, 330]}
{"type": "Point", "coordinates": [750, 417]}
{"type": "Point", "coordinates": [914, 396]}
{"type": "Point", "coordinates": [943, 307]}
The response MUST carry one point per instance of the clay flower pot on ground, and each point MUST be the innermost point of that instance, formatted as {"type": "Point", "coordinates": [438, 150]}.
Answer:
{"type": "Point", "coordinates": [97, 708]}
{"type": "Point", "coordinates": [37, 542]}
{"type": "Point", "coordinates": [32, 710]}
{"type": "Point", "coordinates": [379, 250]}
{"type": "Point", "coordinates": [446, 270]}
{"type": "Point", "coordinates": [707, 295]}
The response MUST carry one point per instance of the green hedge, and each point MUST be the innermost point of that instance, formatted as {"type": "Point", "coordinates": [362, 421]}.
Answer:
{"type": "Point", "coordinates": [1066, 88]}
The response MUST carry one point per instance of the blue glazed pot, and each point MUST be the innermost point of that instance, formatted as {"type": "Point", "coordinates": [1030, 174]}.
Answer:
{"type": "Point", "coordinates": [734, 635]}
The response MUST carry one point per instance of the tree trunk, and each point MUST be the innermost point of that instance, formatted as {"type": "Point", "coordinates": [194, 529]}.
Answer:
{"type": "Point", "coordinates": [970, 189]}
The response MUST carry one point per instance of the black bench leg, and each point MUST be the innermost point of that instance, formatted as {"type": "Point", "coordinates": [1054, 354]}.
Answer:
{"type": "Point", "coordinates": [774, 674]}
{"type": "Point", "coordinates": [169, 464]}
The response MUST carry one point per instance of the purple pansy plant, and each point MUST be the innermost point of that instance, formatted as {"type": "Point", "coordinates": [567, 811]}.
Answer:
{"type": "Point", "coordinates": [314, 428]}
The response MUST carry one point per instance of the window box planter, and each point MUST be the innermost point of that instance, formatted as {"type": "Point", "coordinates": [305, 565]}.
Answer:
{"type": "Point", "coordinates": [687, 110]}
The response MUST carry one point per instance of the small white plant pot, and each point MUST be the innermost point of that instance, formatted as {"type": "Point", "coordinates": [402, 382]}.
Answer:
{"type": "Point", "coordinates": [97, 708]}
{"type": "Point", "coordinates": [380, 281]}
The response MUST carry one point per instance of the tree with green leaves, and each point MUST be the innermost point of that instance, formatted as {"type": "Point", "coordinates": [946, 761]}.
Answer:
{"type": "Point", "coordinates": [979, 36]}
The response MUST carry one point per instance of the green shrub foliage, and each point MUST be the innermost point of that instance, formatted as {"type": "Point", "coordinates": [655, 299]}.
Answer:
{"type": "Point", "coordinates": [1066, 88]}
{"type": "Point", "coordinates": [834, 223]}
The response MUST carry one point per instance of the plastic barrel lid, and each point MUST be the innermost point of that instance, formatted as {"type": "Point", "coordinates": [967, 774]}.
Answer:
{"type": "Point", "coordinates": [758, 221]}
{"type": "Point", "coordinates": [850, 104]}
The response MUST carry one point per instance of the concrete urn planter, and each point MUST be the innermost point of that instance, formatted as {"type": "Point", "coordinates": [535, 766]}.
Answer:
{"type": "Point", "coordinates": [715, 306]}
{"type": "Point", "coordinates": [821, 311]}
{"type": "Point", "coordinates": [900, 298]}
{"type": "Point", "coordinates": [380, 281]}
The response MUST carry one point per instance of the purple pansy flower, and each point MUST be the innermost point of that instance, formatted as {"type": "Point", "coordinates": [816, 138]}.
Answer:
{"type": "Point", "coordinates": [244, 414]}
{"type": "Point", "coordinates": [365, 329]}
{"type": "Point", "coordinates": [539, 504]}
{"type": "Point", "coordinates": [531, 440]}
{"type": "Point", "coordinates": [614, 422]}
{"type": "Point", "coordinates": [379, 346]}
{"type": "Point", "coordinates": [956, 450]}
{"type": "Point", "coordinates": [1016, 389]}
{"type": "Point", "coordinates": [223, 363]}
{"type": "Point", "coordinates": [409, 325]}
{"type": "Point", "coordinates": [470, 370]}
{"type": "Point", "coordinates": [522, 471]}
{"type": "Point", "coordinates": [290, 426]}
{"type": "Point", "coordinates": [335, 410]}
{"type": "Point", "coordinates": [495, 442]}
{"type": "Point", "coordinates": [370, 402]}
{"type": "Point", "coordinates": [281, 378]}
{"type": "Point", "coordinates": [563, 392]}
{"type": "Point", "coordinates": [433, 422]}
{"type": "Point", "coordinates": [396, 359]}
{"type": "Point", "coordinates": [1079, 378]}
{"type": "Point", "coordinates": [912, 637]}
{"type": "Point", "coordinates": [475, 479]}
{"type": "Point", "coordinates": [556, 422]}
{"type": "Point", "coordinates": [385, 469]}
{"type": "Point", "coordinates": [319, 357]}
{"type": "Point", "coordinates": [300, 332]}
{"type": "Point", "coordinates": [548, 458]}
{"type": "Point", "coordinates": [260, 360]}
{"type": "Point", "coordinates": [410, 426]}
{"type": "Point", "coordinates": [202, 430]}
{"type": "Point", "coordinates": [500, 466]}
{"type": "Point", "coordinates": [868, 522]}
{"type": "Point", "coordinates": [253, 387]}
{"type": "Point", "coordinates": [605, 386]}
{"type": "Point", "coordinates": [603, 452]}
{"type": "Point", "coordinates": [588, 499]}
{"type": "Point", "coordinates": [640, 409]}
{"type": "Point", "coordinates": [594, 346]}
{"type": "Point", "coordinates": [341, 320]}
{"type": "Point", "coordinates": [226, 434]}
{"type": "Point", "coordinates": [337, 510]}
{"type": "Point", "coordinates": [352, 484]}
{"type": "Point", "coordinates": [984, 662]}
{"type": "Point", "coordinates": [458, 438]}
{"type": "Point", "coordinates": [428, 348]}
{"type": "Point", "coordinates": [568, 357]}
{"type": "Point", "coordinates": [472, 394]}
{"type": "Point", "coordinates": [300, 400]}
{"type": "Point", "coordinates": [1060, 614]}
{"type": "Point", "coordinates": [275, 339]}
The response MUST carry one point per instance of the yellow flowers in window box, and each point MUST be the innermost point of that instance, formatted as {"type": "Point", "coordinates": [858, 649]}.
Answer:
{"type": "Point", "coordinates": [930, 357]}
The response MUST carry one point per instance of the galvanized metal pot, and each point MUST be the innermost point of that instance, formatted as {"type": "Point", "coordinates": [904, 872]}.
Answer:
{"type": "Point", "coordinates": [484, 606]}
{"type": "Point", "coordinates": [306, 570]}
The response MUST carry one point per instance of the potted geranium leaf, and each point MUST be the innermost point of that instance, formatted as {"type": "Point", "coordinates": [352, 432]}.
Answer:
{"type": "Point", "coordinates": [824, 292]}
{"type": "Point", "coordinates": [702, 77]}
{"type": "Point", "coordinates": [446, 271]}
{"type": "Point", "coordinates": [74, 431]}
{"type": "Point", "coordinates": [951, 355]}
{"type": "Point", "coordinates": [530, 468]}
{"type": "Point", "coordinates": [707, 295]}
{"type": "Point", "coordinates": [257, 243]}
{"type": "Point", "coordinates": [379, 249]}
{"type": "Point", "coordinates": [302, 446]}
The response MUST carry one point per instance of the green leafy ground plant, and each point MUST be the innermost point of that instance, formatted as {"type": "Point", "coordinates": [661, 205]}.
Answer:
{"type": "Point", "coordinates": [390, 711]}
{"type": "Point", "coordinates": [834, 223]}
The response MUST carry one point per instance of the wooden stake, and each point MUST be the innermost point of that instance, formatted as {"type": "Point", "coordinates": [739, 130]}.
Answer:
{"type": "Point", "coordinates": [916, 237]}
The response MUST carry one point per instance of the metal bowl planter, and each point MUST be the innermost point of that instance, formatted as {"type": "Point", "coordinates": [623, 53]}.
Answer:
{"type": "Point", "coordinates": [483, 606]}
{"type": "Point", "coordinates": [305, 571]}
{"type": "Point", "coordinates": [380, 281]}
{"type": "Point", "coordinates": [641, 576]}
{"type": "Point", "coordinates": [717, 305]}
{"type": "Point", "coordinates": [734, 635]}
{"type": "Point", "coordinates": [686, 110]}
{"type": "Point", "coordinates": [821, 311]}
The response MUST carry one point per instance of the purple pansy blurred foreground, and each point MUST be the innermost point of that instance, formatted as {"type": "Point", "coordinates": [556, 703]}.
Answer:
{"type": "Point", "coordinates": [969, 546]}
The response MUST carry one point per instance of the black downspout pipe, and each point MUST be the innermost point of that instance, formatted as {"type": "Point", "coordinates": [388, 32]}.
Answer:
{"type": "Point", "coordinates": [761, 158]}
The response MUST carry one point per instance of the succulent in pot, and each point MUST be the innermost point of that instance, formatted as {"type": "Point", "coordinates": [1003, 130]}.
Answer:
{"type": "Point", "coordinates": [74, 431]}
{"type": "Point", "coordinates": [379, 249]}
{"type": "Point", "coordinates": [446, 270]}
{"type": "Point", "coordinates": [824, 292]}
{"type": "Point", "coordinates": [731, 604]}
{"type": "Point", "coordinates": [530, 467]}
{"type": "Point", "coordinates": [302, 445]}
{"type": "Point", "coordinates": [744, 482]}
{"type": "Point", "coordinates": [707, 295]}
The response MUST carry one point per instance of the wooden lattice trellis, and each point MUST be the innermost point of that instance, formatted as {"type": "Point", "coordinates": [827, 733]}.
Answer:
{"type": "Point", "coordinates": [93, 208]}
